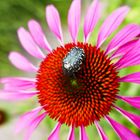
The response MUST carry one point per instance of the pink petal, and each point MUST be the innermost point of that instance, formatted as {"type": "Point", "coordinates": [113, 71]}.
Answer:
{"type": "Point", "coordinates": [28, 43]}
{"type": "Point", "coordinates": [26, 119]}
{"type": "Point", "coordinates": [53, 20]}
{"type": "Point", "coordinates": [111, 24]}
{"type": "Point", "coordinates": [100, 131]}
{"type": "Point", "coordinates": [16, 83]}
{"type": "Point", "coordinates": [83, 135]}
{"type": "Point", "coordinates": [38, 35]}
{"type": "Point", "coordinates": [133, 101]}
{"type": "Point", "coordinates": [123, 132]}
{"type": "Point", "coordinates": [33, 125]}
{"type": "Point", "coordinates": [16, 95]}
{"type": "Point", "coordinates": [21, 62]}
{"type": "Point", "coordinates": [55, 133]}
{"type": "Point", "coordinates": [91, 18]}
{"type": "Point", "coordinates": [131, 61]}
{"type": "Point", "coordinates": [124, 49]}
{"type": "Point", "coordinates": [134, 78]}
{"type": "Point", "coordinates": [135, 119]}
{"type": "Point", "coordinates": [131, 58]}
{"type": "Point", "coordinates": [74, 19]}
{"type": "Point", "coordinates": [127, 34]}
{"type": "Point", "coordinates": [71, 134]}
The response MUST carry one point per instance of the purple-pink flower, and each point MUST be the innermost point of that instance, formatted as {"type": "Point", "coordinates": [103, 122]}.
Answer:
{"type": "Point", "coordinates": [76, 84]}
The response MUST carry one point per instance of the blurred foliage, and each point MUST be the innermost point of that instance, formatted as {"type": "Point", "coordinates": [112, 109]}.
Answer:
{"type": "Point", "coordinates": [17, 13]}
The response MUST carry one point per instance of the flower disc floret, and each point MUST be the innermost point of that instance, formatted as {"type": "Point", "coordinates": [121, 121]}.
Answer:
{"type": "Point", "coordinates": [83, 97]}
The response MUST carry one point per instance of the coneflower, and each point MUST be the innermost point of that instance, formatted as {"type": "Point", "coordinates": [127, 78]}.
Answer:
{"type": "Point", "coordinates": [77, 83]}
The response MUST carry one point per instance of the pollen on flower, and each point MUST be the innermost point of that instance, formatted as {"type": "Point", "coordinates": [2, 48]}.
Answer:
{"type": "Point", "coordinates": [83, 97]}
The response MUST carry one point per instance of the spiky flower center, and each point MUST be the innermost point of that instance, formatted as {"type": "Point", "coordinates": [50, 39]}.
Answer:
{"type": "Point", "coordinates": [77, 84]}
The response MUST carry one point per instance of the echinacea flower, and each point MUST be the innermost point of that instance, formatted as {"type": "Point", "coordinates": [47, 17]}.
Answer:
{"type": "Point", "coordinates": [77, 83]}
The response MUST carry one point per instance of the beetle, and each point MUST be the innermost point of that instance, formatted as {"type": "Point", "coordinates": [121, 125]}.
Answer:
{"type": "Point", "coordinates": [73, 60]}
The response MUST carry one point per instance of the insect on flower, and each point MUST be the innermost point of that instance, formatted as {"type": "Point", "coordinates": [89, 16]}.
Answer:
{"type": "Point", "coordinates": [77, 83]}
{"type": "Point", "coordinates": [73, 60]}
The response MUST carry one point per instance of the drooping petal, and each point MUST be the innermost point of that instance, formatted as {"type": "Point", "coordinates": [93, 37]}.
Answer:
{"type": "Point", "coordinates": [91, 18]}
{"type": "Point", "coordinates": [133, 61]}
{"type": "Point", "coordinates": [123, 132]}
{"type": "Point", "coordinates": [16, 95]}
{"type": "Point", "coordinates": [131, 58]}
{"type": "Point", "coordinates": [17, 83]}
{"type": "Point", "coordinates": [124, 49]}
{"type": "Point", "coordinates": [133, 101]}
{"type": "Point", "coordinates": [21, 62]}
{"type": "Point", "coordinates": [128, 33]}
{"type": "Point", "coordinates": [133, 118]}
{"type": "Point", "coordinates": [28, 43]}
{"type": "Point", "coordinates": [74, 19]}
{"type": "Point", "coordinates": [83, 135]}
{"type": "Point", "coordinates": [38, 35]}
{"type": "Point", "coordinates": [111, 24]}
{"type": "Point", "coordinates": [102, 134]}
{"type": "Point", "coordinates": [55, 133]}
{"type": "Point", "coordinates": [71, 135]}
{"type": "Point", "coordinates": [134, 78]}
{"type": "Point", "coordinates": [33, 125]}
{"type": "Point", "coordinates": [26, 119]}
{"type": "Point", "coordinates": [53, 20]}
